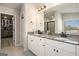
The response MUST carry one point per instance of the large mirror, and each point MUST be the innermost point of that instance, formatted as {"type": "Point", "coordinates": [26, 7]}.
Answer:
{"type": "Point", "coordinates": [62, 18]}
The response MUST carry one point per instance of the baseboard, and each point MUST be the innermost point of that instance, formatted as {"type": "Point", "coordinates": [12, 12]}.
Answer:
{"type": "Point", "coordinates": [25, 49]}
{"type": "Point", "coordinates": [17, 45]}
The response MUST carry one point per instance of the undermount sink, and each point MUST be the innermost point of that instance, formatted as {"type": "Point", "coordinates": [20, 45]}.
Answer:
{"type": "Point", "coordinates": [66, 40]}
{"type": "Point", "coordinates": [60, 38]}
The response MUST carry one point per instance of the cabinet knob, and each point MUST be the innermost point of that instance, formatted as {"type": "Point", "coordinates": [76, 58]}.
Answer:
{"type": "Point", "coordinates": [53, 49]}
{"type": "Point", "coordinates": [57, 51]}
{"type": "Point", "coordinates": [40, 39]}
{"type": "Point", "coordinates": [43, 45]}
{"type": "Point", "coordinates": [31, 40]}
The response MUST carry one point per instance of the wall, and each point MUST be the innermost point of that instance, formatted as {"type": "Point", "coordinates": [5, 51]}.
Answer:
{"type": "Point", "coordinates": [22, 25]}
{"type": "Point", "coordinates": [27, 24]}
{"type": "Point", "coordinates": [70, 15]}
{"type": "Point", "coordinates": [14, 12]}
{"type": "Point", "coordinates": [30, 23]}
{"type": "Point", "coordinates": [58, 22]}
{"type": "Point", "coordinates": [40, 21]}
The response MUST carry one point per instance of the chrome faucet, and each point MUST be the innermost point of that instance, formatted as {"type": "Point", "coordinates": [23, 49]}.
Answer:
{"type": "Point", "coordinates": [63, 34]}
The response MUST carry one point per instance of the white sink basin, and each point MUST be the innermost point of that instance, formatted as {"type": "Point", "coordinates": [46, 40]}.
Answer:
{"type": "Point", "coordinates": [60, 38]}
{"type": "Point", "coordinates": [72, 42]}
{"type": "Point", "coordinates": [66, 40]}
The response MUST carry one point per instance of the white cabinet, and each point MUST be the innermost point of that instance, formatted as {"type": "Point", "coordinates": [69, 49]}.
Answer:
{"type": "Point", "coordinates": [46, 47]}
{"type": "Point", "coordinates": [50, 50]}
{"type": "Point", "coordinates": [40, 47]}
{"type": "Point", "coordinates": [54, 51]}
{"type": "Point", "coordinates": [31, 43]}
{"type": "Point", "coordinates": [59, 48]}
{"type": "Point", "coordinates": [62, 52]}
{"type": "Point", "coordinates": [77, 50]}
{"type": "Point", "coordinates": [36, 45]}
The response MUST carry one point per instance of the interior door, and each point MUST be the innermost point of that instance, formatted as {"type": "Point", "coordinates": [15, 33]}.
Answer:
{"type": "Point", "coordinates": [0, 31]}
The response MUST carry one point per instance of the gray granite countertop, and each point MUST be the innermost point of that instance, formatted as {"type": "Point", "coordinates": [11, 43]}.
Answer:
{"type": "Point", "coordinates": [71, 40]}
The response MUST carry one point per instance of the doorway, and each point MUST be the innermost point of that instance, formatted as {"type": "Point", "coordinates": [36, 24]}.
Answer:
{"type": "Point", "coordinates": [51, 26]}
{"type": "Point", "coordinates": [6, 30]}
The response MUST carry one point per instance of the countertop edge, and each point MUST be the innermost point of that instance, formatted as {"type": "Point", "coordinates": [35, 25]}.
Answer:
{"type": "Point", "coordinates": [54, 39]}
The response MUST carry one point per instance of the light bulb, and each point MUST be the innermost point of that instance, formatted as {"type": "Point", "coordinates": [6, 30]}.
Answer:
{"type": "Point", "coordinates": [39, 9]}
{"type": "Point", "coordinates": [5, 17]}
{"type": "Point", "coordinates": [42, 7]}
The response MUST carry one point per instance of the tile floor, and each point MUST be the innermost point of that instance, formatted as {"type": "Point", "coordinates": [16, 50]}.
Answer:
{"type": "Point", "coordinates": [12, 51]}
{"type": "Point", "coordinates": [6, 42]}
{"type": "Point", "coordinates": [16, 51]}
{"type": "Point", "coordinates": [9, 49]}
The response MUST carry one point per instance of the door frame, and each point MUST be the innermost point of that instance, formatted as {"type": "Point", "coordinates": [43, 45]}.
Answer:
{"type": "Point", "coordinates": [13, 19]}
{"type": "Point", "coordinates": [0, 31]}
{"type": "Point", "coordinates": [50, 22]}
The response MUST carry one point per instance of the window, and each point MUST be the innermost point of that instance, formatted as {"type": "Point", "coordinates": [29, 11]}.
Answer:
{"type": "Point", "coordinates": [71, 26]}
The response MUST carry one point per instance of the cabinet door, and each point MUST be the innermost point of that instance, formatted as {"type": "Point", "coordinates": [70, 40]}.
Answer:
{"type": "Point", "coordinates": [61, 49]}
{"type": "Point", "coordinates": [61, 52]}
{"type": "Point", "coordinates": [40, 47]}
{"type": "Point", "coordinates": [50, 50]}
{"type": "Point", "coordinates": [32, 44]}
{"type": "Point", "coordinates": [35, 44]}
{"type": "Point", "coordinates": [54, 51]}
{"type": "Point", "coordinates": [77, 50]}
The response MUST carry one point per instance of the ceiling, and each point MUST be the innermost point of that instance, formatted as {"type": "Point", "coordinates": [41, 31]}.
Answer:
{"type": "Point", "coordinates": [63, 8]}
{"type": "Point", "coordinates": [38, 5]}
{"type": "Point", "coordinates": [18, 5]}
{"type": "Point", "coordinates": [12, 5]}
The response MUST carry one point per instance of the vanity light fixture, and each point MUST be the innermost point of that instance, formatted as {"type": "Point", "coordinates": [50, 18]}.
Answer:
{"type": "Point", "coordinates": [5, 17]}
{"type": "Point", "coordinates": [41, 8]}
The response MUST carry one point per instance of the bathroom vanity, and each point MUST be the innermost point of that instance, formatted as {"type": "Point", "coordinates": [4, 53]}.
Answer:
{"type": "Point", "coordinates": [47, 45]}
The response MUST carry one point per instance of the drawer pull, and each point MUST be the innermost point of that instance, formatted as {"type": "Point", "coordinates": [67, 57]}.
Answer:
{"type": "Point", "coordinates": [31, 40]}
{"type": "Point", "coordinates": [43, 45]}
{"type": "Point", "coordinates": [40, 39]}
{"type": "Point", "coordinates": [53, 49]}
{"type": "Point", "coordinates": [57, 51]}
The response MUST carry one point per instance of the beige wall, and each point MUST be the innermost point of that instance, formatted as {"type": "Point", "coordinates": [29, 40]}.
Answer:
{"type": "Point", "coordinates": [22, 24]}
{"type": "Point", "coordinates": [30, 23]}
{"type": "Point", "coordinates": [58, 22]}
{"type": "Point", "coordinates": [29, 13]}
{"type": "Point", "coordinates": [70, 15]}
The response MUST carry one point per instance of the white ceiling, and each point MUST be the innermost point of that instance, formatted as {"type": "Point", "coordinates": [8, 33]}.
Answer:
{"type": "Point", "coordinates": [37, 5]}
{"type": "Point", "coordinates": [18, 5]}
{"type": "Point", "coordinates": [63, 8]}
{"type": "Point", "coordinates": [48, 5]}
{"type": "Point", "coordinates": [12, 5]}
